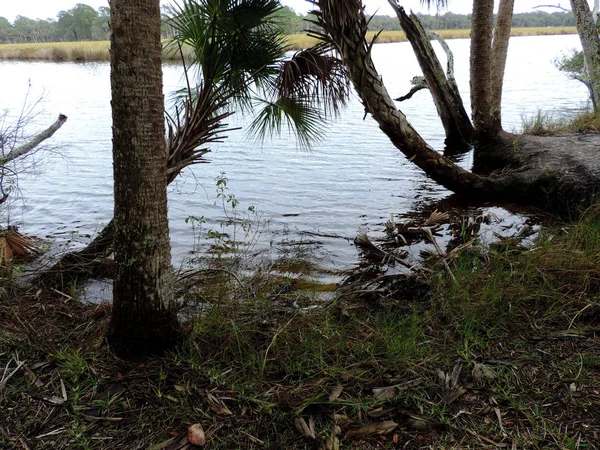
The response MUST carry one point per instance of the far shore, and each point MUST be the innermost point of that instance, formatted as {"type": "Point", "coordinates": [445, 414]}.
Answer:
{"type": "Point", "coordinates": [99, 50]}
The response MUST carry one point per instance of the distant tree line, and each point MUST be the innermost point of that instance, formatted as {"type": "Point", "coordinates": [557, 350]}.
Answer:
{"type": "Point", "coordinates": [451, 21]}
{"type": "Point", "coordinates": [81, 23]}
{"type": "Point", "coordinates": [84, 23]}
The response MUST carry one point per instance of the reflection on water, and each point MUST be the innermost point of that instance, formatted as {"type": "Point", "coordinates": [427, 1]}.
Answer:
{"type": "Point", "coordinates": [353, 178]}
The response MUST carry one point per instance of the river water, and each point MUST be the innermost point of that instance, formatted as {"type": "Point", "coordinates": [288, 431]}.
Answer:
{"type": "Point", "coordinates": [353, 178]}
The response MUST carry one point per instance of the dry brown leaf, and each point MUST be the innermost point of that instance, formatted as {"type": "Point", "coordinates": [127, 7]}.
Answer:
{"type": "Point", "coordinates": [306, 430]}
{"type": "Point", "coordinates": [341, 419]}
{"type": "Point", "coordinates": [332, 442]}
{"type": "Point", "coordinates": [373, 429]}
{"type": "Point", "coordinates": [6, 253]}
{"type": "Point", "coordinates": [196, 435]}
{"type": "Point", "coordinates": [335, 394]}
{"type": "Point", "coordinates": [217, 405]}
{"type": "Point", "coordinates": [481, 371]}
{"type": "Point", "coordinates": [389, 392]}
{"type": "Point", "coordinates": [380, 412]}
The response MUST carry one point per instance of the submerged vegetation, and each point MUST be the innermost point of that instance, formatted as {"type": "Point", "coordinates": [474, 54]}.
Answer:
{"type": "Point", "coordinates": [503, 353]}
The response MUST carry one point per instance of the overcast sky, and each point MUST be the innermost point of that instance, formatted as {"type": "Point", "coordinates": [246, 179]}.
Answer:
{"type": "Point", "coordinates": [43, 9]}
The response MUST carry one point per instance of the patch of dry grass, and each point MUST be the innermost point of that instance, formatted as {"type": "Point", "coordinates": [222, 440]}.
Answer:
{"type": "Point", "coordinates": [300, 41]}
{"type": "Point", "coordinates": [57, 51]}
{"type": "Point", "coordinates": [98, 50]}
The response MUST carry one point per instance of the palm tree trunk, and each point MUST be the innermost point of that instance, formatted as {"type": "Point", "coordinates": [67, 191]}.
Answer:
{"type": "Point", "coordinates": [588, 33]}
{"type": "Point", "coordinates": [481, 68]}
{"type": "Point", "coordinates": [499, 54]}
{"type": "Point", "coordinates": [143, 318]}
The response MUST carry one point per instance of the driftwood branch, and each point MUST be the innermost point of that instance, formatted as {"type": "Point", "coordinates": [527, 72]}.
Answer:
{"type": "Point", "coordinates": [412, 92]}
{"type": "Point", "coordinates": [419, 83]}
{"type": "Point", "coordinates": [34, 142]}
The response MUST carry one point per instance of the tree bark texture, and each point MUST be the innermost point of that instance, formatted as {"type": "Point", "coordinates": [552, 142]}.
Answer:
{"type": "Point", "coordinates": [588, 34]}
{"type": "Point", "coordinates": [143, 318]}
{"type": "Point", "coordinates": [481, 67]}
{"type": "Point", "coordinates": [449, 105]}
{"type": "Point", "coordinates": [499, 55]}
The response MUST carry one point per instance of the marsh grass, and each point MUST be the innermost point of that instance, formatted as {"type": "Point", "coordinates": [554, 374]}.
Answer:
{"type": "Point", "coordinates": [543, 123]}
{"type": "Point", "coordinates": [98, 50]}
{"type": "Point", "coordinates": [266, 347]}
{"type": "Point", "coordinates": [299, 41]}
{"type": "Point", "coordinates": [57, 51]}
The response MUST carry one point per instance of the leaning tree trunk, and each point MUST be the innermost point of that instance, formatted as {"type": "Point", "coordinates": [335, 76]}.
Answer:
{"type": "Point", "coordinates": [346, 27]}
{"type": "Point", "coordinates": [143, 318]}
{"type": "Point", "coordinates": [499, 55]}
{"type": "Point", "coordinates": [456, 122]}
{"type": "Point", "coordinates": [481, 68]}
{"type": "Point", "coordinates": [588, 33]}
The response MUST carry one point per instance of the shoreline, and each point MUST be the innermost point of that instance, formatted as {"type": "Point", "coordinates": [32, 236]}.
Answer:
{"type": "Point", "coordinates": [94, 51]}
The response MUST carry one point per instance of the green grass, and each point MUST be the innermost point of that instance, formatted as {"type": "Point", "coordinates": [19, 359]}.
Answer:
{"type": "Point", "coordinates": [543, 123]}
{"type": "Point", "coordinates": [262, 350]}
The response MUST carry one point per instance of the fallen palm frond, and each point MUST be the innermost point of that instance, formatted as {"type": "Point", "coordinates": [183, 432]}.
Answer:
{"type": "Point", "coordinates": [437, 217]}
{"type": "Point", "coordinates": [13, 243]}
{"type": "Point", "coordinates": [374, 253]}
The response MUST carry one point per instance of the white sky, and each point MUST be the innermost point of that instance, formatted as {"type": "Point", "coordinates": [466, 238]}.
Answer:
{"type": "Point", "coordinates": [43, 9]}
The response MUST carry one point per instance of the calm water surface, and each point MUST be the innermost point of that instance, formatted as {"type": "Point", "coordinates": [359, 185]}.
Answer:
{"type": "Point", "coordinates": [353, 178]}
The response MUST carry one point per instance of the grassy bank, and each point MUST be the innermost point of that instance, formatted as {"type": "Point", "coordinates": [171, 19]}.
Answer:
{"type": "Point", "coordinates": [98, 51]}
{"type": "Point", "coordinates": [504, 353]}
{"type": "Point", "coordinates": [298, 41]}
{"type": "Point", "coordinates": [545, 123]}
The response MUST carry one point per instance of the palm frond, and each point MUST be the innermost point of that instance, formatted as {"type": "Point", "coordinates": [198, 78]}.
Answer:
{"type": "Point", "coordinates": [198, 121]}
{"type": "Point", "coordinates": [316, 75]}
{"type": "Point", "coordinates": [298, 116]}
{"type": "Point", "coordinates": [237, 47]}
{"type": "Point", "coordinates": [438, 3]}
{"type": "Point", "coordinates": [231, 41]}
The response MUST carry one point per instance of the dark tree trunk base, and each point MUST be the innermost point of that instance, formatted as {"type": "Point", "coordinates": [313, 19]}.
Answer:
{"type": "Point", "coordinates": [131, 344]}
{"type": "Point", "coordinates": [558, 173]}
{"type": "Point", "coordinates": [81, 265]}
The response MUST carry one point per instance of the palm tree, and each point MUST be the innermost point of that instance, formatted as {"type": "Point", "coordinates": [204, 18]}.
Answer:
{"type": "Point", "coordinates": [143, 317]}
{"type": "Point", "coordinates": [238, 57]}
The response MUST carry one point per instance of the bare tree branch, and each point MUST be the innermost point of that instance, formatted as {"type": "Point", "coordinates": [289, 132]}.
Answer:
{"type": "Point", "coordinates": [412, 92]}
{"type": "Point", "coordinates": [552, 6]}
{"type": "Point", "coordinates": [449, 55]}
{"type": "Point", "coordinates": [34, 142]}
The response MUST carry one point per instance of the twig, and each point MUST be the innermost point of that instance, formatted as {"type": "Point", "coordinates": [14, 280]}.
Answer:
{"type": "Point", "coordinates": [441, 253]}
{"type": "Point", "coordinates": [552, 6]}
{"type": "Point", "coordinates": [273, 341]}
{"type": "Point", "coordinates": [5, 377]}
